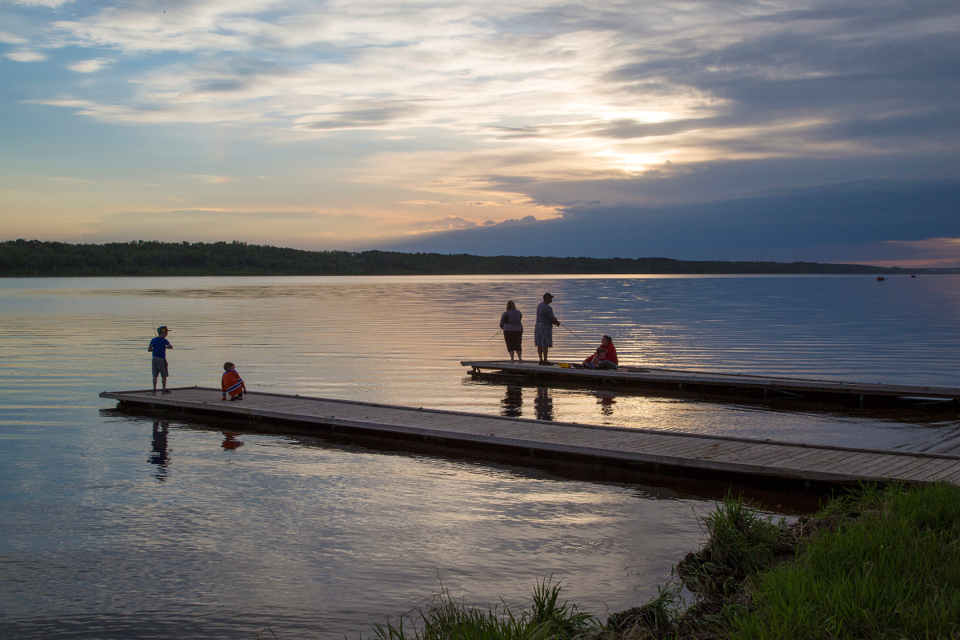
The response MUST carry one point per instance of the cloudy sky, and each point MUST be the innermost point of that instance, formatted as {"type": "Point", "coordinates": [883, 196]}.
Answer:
{"type": "Point", "coordinates": [697, 130]}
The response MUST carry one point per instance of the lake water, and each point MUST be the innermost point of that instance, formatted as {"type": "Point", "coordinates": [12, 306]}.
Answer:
{"type": "Point", "coordinates": [115, 526]}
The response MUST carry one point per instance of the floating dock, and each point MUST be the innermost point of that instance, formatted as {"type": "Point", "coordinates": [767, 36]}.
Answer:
{"type": "Point", "coordinates": [719, 385]}
{"type": "Point", "coordinates": [740, 459]}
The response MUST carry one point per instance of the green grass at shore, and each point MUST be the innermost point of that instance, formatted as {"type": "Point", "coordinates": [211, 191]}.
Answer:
{"type": "Point", "coordinates": [893, 573]}
{"type": "Point", "coordinates": [445, 618]}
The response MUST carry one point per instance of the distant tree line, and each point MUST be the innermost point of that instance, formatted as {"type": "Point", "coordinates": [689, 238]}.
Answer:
{"type": "Point", "coordinates": [30, 258]}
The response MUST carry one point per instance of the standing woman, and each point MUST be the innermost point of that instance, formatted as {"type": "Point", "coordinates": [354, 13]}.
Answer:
{"type": "Point", "coordinates": [512, 330]}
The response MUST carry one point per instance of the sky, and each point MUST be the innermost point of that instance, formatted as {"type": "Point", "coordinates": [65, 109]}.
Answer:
{"type": "Point", "coordinates": [720, 130]}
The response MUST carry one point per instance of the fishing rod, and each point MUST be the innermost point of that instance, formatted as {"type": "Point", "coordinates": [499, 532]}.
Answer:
{"type": "Point", "coordinates": [574, 335]}
{"type": "Point", "coordinates": [493, 336]}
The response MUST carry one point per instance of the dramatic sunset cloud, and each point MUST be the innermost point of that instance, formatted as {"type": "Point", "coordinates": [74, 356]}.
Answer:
{"type": "Point", "coordinates": [730, 130]}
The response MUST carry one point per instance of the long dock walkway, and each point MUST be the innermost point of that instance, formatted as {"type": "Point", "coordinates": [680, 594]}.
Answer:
{"type": "Point", "coordinates": [720, 384]}
{"type": "Point", "coordinates": [653, 451]}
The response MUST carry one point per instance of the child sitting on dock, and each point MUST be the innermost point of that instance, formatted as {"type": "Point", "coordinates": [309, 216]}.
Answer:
{"type": "Point", "coordinates": [232, 383]}
{"type": "Point", "coordinates": [605, 357]}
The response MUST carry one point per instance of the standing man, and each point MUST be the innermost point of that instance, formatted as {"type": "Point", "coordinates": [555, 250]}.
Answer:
{"type": "Point", "coordinates": [543, 333]}
{"type": "Point", "coordinates": [158, 347]}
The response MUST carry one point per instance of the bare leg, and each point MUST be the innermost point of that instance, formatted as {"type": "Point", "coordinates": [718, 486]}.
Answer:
{"type": "Point", "coordinates": [519, 355]}
{"type": "Point", "coordinates": [511, 356]}
{"type": "Point", "coordinates": [154, 384]}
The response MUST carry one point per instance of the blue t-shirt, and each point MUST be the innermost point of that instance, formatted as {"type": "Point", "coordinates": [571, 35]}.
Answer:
{"type": "Point", "coordinates": [159, 347]}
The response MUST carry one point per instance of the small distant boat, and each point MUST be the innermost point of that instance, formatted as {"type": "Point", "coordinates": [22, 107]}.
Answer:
{"type": "Point", "coordinates": [913, 275]}
{"type": "Point", "coordinates": [880, 278]}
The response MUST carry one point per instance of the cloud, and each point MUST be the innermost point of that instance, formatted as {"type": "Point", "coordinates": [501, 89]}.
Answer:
{"type": "Point", "coordinates": [617, 111]}
{"type": "Point", "coordinates": [362, 115]}
{"type": "Point", "coordinates": [88, 66]}
{"type": "Point", "coordinates": [50, 4]}
{"type": "Point", "coordinates": [10, 38]}
{"type": "Point", "coordinates": [782, 224]}
{"type": "Point", "coordinates": [446, 223]}
{"type": "Point", "coordinates": [27, 56]}
{"type": "Point", "coordinates": [610, 89]}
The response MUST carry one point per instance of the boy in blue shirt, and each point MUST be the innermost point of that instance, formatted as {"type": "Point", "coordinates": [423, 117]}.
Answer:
{"type": "Point", "coordinates": [158, 347]}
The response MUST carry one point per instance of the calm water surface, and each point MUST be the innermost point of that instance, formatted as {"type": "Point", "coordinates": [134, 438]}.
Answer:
{"type": "Point", "coordinates": [121, 527]}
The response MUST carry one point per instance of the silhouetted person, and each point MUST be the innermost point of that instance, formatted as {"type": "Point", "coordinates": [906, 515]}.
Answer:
{"type": "Point", "coordinates": [512, 330]}
{"type": "Point", "coordinates": [543, 331]}
{"type": "Point", "coordinates": [605, 357]}
{"type": "Point", "coordinates": [231, 383]}
{"type": "Point", "coordinates": [158, 347]}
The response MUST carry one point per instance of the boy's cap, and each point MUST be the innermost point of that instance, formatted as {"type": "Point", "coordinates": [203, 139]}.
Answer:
{"type": "Point", "coordinates": [548, 295]}
{"type": "Point", "coordinates": [162, 329]}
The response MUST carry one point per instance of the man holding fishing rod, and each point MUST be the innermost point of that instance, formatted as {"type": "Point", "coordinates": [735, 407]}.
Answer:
{"type": "Point", "coordinates": [543, 332]}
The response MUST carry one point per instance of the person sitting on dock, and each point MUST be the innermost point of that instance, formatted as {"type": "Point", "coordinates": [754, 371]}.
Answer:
{"type": "Point", "coordinates": [543, 332]}
{"type": "Point", "coordinates": [158, 347]}
{"type": "Point", "coordinates": [232, 383]}
{"type": "Point", "coordinates": [605, 356]}
{"type": "Point", "coordinates": [512, 330]}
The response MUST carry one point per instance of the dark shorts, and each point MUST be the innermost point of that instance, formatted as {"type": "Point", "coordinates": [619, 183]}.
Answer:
{"type": "Point", "coordinates": [514, 340]}
{"type": "Point", "coordinates": [160, 367]}
{"type": "Point", "coordinates": [543, 335]}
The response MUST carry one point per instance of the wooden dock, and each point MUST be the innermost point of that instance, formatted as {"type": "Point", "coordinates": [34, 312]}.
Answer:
{"type": "Point", "coordinates": [741, 459]}
{"type": "Point", "coordinates": [721, 385]}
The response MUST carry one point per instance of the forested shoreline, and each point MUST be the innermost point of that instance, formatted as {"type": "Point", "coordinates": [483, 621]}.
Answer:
{"type": "Point", "coordinates": [34, 258]}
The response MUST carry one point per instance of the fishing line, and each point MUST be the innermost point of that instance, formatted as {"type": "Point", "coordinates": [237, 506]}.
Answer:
{"type": "Point", "coordinates": [574, 335]}
{"type": "Point", "coordinates": [493, 336]}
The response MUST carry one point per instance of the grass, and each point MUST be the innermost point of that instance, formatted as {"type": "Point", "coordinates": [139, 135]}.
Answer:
{"type": "Point", "coordinates": [445, 618]}
{"type": "Point", "coordinates": [740, 542]}
{"type": "Point", "coordinates": [892, 573]}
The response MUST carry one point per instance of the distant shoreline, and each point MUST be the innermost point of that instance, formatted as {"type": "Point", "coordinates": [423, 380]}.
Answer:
{"type": "Point", "coordinates": [34, 258]}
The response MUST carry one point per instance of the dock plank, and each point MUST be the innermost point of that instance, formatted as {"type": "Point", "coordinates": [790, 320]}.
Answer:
{"type": "Point", "coordinates": [704, 453]}
{"type": "Point", "coordinates": [933, 469]}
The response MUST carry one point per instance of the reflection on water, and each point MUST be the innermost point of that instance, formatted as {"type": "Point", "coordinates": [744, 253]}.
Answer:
{"type": "Point", "coordinates": [219, 534]}
{"type": "Point", "coordinates": [606, 400]}
{"type": "Point", "coordinates": [543, 404]}
{"type": "Point", "coordinates": [512, 402]}
{"type": "Point", "coordinates": [160, 456]}
{"type": "Point", "coordinates": [230, 441]}
{"type": "Point", "coordinates": [511, 406]}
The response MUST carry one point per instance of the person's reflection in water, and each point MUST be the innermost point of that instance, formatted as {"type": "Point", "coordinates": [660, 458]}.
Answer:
{"type": "Point", "coordinates": [512, 403]}
{"type": "Point", "coordinates": [543, 404]}
{"type": "Point", "coordinates": [230, 441]}
{"type": "Point", "coordinates": [606, 400]}
{"type": "Point", "coordinates": [159, 455]}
